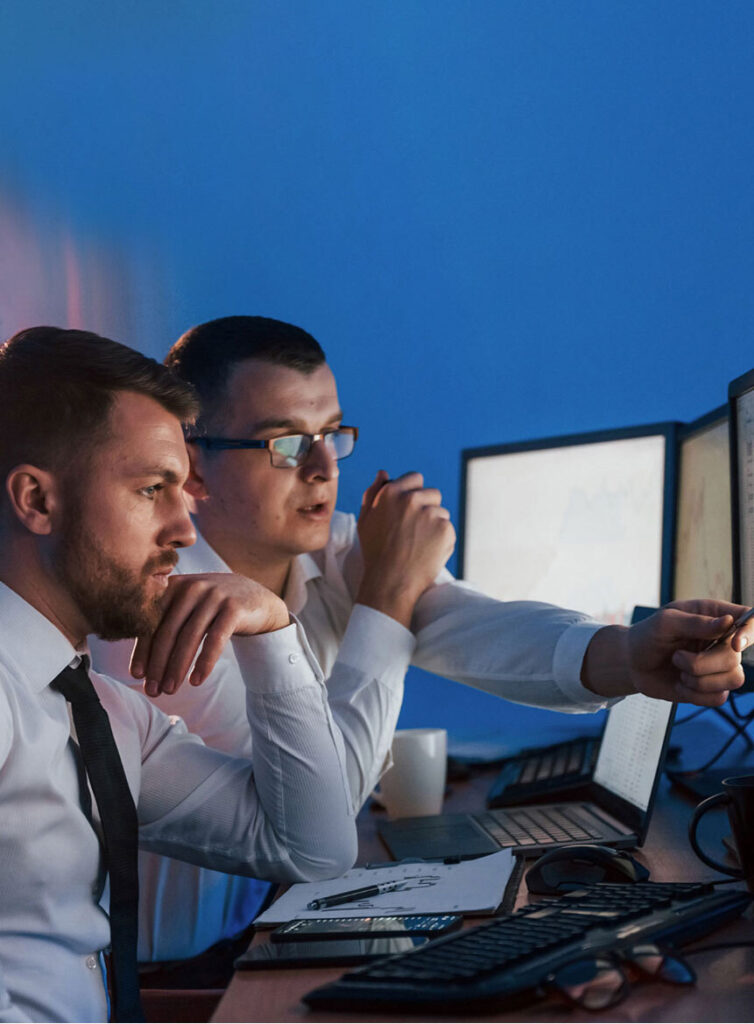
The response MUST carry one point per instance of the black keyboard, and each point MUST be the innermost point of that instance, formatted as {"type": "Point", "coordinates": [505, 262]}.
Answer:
{"type": "Point", "coordinates": [510, 958]}
{"type": "Point", "coordinates": [543, 771]}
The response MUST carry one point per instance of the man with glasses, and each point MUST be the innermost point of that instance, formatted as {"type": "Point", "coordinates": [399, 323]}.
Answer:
{"type": "Point", "coordinates": [372, 596]}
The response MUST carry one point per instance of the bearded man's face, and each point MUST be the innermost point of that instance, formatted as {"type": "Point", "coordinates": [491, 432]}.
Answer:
{"type": "Point", "coordinates": [123, 517]}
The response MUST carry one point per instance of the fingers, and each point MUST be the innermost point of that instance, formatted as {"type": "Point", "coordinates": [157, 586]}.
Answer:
{"type": "Point", "coordinates": [402, 484]}
{"type": "Point", "coordinates": [742, 638]}
{"type": "Point", "coordinates": [688, 695]}
{"type": "Point", "coordinates": [199, 616]}
{"type": "Point", "coordinates": [177, 638]}
{"type": "Point", "coordinates": [683, 625]}
{"type": "Point", "coordinates": [709, 607]}
{"type": "Point", "coordinates": [374, 488]}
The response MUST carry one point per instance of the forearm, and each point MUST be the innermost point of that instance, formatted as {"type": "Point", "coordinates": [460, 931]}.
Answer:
{"type": "Point", "coordinates": [9, 1011]}
{"type": "Point", "coordinates": [365, 691]}
{"type": "Point", "coordinates": [391, 597]}
{"type": "Point", "coordinates": [522, 651]}
{"type": "Point", "coordinates": [287, 818]}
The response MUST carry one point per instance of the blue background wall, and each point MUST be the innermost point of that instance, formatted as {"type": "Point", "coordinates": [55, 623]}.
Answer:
{"type": "Point", "coordinates": [502, 219]}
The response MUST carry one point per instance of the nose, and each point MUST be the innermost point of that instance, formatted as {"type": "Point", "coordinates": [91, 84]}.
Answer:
{"type": "Point", "coordinates": [177, 530]}
{"type": "Point", "coordinates": [320, 463]}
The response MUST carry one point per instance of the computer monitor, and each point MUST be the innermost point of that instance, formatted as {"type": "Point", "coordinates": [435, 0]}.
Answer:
{"type": "Point", "coordinates": [583, 521]}
{"type": "Point", "coordinates": [703, 559]}
{"type": "Point", "coordinates": [741, 412]}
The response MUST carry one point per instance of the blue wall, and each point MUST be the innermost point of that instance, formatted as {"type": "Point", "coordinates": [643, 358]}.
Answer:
{"type": "Point", "coordinates": [502, 219]}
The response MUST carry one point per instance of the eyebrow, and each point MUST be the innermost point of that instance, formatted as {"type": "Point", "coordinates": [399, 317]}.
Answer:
{"type": "Point", "coordinates": [168, 475]}
{"type": "Point", "coordinates": [280, 424]}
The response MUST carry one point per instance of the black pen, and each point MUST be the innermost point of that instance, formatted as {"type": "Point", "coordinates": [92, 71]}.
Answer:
{"type": "Point", "coordinates": [354, 894]}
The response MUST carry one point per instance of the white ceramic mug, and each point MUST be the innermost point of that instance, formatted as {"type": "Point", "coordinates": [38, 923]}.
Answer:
{"type": "Point", "coordinates": [415, 784]}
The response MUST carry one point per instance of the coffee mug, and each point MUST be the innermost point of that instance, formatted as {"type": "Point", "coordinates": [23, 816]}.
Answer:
{"type": "Point", "coordinates": [415, 783]}
{"type": "Point", "coordinates": [738, 798]}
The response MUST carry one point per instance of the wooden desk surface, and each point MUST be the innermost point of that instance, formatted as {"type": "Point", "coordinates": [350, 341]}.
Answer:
{"type": "Point", "coordinates": [724, 992]}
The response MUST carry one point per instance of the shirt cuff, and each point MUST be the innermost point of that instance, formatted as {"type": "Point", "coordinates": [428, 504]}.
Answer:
{"type": "Point", "coordinates": [277, 662]}
{"type": "Point", "coordinates": [375, 643]}
{"type": "Point", "coordinates": [568, 661]}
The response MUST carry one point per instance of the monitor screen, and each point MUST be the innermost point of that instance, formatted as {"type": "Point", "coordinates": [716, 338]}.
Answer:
{"type": "Point", "coordinates": [703, 563]}
{"type": "Point", "coordinates": [579, 521]}
{"type": "Point", "coordinates": [631, 748]}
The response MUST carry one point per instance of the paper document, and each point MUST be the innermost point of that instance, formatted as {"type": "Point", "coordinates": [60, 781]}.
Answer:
{"type": "Point", "coordinates": [471, 887]}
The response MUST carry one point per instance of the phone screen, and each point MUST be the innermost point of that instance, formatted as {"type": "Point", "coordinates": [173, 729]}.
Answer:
{"type": "Point", "coordinates": [342, 927]}
{"type": "Point", "coordinates": [270, 955]}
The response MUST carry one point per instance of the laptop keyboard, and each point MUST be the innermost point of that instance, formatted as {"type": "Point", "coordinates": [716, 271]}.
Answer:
{"type": "Point", "coordinates": [537, 826]}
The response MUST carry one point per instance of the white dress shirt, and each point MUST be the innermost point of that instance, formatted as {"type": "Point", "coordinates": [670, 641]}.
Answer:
{"type": "Point", "coordinates": [527, 652]}
{"type": "Point", "coordinates": [291, 818]}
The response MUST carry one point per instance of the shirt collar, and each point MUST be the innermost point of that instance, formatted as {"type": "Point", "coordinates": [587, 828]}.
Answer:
{"type": "Point", "coordinates": [30, 645]}
{"type": "Point", "coordinates": [303, 569]}
{"type": "Point", "coordinates": [201, 557]}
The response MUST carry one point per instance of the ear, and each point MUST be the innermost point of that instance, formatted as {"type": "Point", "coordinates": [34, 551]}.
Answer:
{"type": "Point", "coordinates": [34, 496]}
{"type": "Point", "coordinates": [195, 485]}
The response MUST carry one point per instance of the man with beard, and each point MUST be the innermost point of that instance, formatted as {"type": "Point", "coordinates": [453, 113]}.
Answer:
{"type": "Point", "coordinates": [91, 518]}
{"type": "Point", "coordinates": [372, 596]}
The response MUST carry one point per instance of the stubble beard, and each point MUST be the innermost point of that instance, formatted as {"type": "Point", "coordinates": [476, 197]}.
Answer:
{"type": "Point", "coordinates": [113, 599]}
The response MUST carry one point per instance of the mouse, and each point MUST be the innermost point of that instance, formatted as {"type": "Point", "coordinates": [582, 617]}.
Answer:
{"type": "Point", "coordinates": [571, 867]}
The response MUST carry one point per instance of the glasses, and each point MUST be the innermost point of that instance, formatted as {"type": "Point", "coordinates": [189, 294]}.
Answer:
{"type": "Point", "coordinates": [601, 981]}
{"type": "Point", "coordinates": [289, 451]}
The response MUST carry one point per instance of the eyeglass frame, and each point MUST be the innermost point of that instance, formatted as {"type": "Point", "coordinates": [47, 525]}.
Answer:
{"type": "Point", "coordinates": [618, 960]}
{"type": "Point", "coordinates": [216, 444]}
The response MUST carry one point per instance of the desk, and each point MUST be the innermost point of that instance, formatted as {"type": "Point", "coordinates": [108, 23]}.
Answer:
{"type": "Point", "coordinates": [725, 991]}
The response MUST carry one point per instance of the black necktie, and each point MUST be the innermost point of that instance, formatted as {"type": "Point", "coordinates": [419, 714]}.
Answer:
{"type": "Point", "coordinates": [120, 831]}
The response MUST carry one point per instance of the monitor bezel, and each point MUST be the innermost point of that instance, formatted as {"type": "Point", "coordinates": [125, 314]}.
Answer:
{"type": "Point", "coordinates": [737, 387]}
{"type": "Point", "coordinates": [667, 429]}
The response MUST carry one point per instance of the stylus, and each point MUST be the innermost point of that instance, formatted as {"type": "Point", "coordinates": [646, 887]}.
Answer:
{"type": "Point", "coordinates": [736, 626]}
{"type": "Point", "coordinates": [354, 894]}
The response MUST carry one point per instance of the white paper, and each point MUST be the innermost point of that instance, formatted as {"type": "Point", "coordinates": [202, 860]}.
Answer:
{"type": "Point", "coordinates": [471, 887]}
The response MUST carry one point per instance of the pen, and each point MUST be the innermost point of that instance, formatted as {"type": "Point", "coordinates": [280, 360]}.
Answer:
{"type": "Point", "coordinates": [352, 895]}
{"type": "Point", "coordinates": [736, 626]}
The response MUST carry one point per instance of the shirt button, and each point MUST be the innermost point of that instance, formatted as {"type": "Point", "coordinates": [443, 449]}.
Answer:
{"type": "Point", "coordinates": [92, 963]}
{"type": "Point", "coordinates": [293, 658]}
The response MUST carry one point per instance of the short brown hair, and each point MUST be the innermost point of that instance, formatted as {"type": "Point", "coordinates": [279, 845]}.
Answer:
{"type": "Point", "coordinates": [57, 388]}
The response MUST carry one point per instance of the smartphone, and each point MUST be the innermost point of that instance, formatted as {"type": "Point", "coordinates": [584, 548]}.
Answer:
{"type": "Point", "coordinates": [431, 925]}
{"type": "Point", "coordinates": [337, 953]}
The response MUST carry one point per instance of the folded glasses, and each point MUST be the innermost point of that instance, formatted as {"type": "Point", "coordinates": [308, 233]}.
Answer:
{"type": "Point", "coordinates": [602, 980]}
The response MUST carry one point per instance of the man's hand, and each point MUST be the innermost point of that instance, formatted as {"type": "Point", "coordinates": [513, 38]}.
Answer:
{"type": "Point", "coordinates": [406, 538]}
{"type": "Point", "coordinates": [664, 656]}
{"type": "Point", "coordinates": [204, 611]}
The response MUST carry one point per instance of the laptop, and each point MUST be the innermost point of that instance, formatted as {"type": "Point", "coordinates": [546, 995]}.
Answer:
{"type": "Point", "coordinates": [616, 811]}
{"type": "Point", "coordinates": [557, 771]}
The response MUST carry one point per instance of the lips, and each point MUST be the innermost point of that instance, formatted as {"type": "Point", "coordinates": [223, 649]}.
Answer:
{"type": "Point", "coordinates": [315, 508]}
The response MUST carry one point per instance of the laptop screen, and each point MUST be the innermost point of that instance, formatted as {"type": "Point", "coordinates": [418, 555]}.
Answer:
{"type": "Point", "coordinates": [632, 746]}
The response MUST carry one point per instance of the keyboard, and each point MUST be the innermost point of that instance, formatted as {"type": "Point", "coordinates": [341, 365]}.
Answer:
{"type": "Point", "coordinates": [544, 771]}
{"type": "Point", "coordinates": [510, 958]}
{"type": "Point", "coordinates": [539, 825]}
